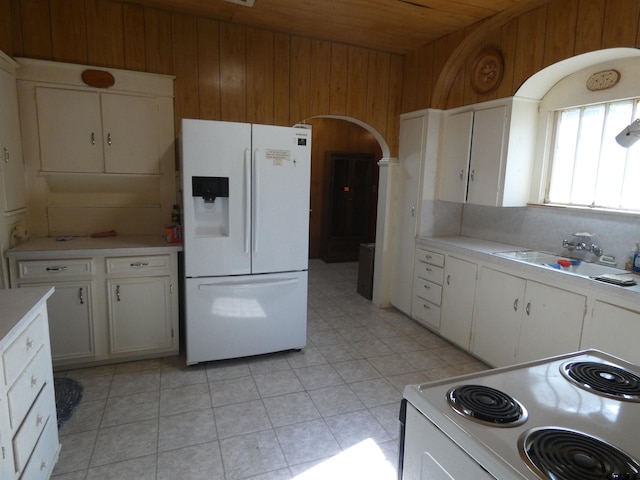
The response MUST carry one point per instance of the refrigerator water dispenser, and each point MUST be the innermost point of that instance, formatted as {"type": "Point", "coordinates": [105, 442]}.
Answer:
{"type": "Point", "coordinates": [210, 206]}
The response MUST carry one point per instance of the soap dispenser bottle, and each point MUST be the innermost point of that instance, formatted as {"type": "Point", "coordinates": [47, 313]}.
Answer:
{"type": "Point", "coordinates": [631, 259]}
{"type": "Point", "coordinates": [634, 258]}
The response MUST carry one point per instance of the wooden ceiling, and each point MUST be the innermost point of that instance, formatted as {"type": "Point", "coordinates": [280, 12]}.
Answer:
{"type": "Point", "coordinates": [397, 26]}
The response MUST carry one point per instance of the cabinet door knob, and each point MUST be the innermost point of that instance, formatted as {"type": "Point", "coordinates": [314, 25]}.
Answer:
{"type": "Point", "coordinates": [39, 420]}
{"type": "Point", "coordinates": [34, 381]}
{"type": "Point", "coordinates": [449, 279]}
{"type": "Point", "coordinates": [29, 343]}
{"type": "Point", "coordinates": [43, 465]}
{"type": "Point", "coordinates": [515, 305]}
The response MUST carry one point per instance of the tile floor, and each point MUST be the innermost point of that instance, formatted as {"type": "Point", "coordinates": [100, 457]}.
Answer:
{"type": "Point", "coordinates": [329, 411]}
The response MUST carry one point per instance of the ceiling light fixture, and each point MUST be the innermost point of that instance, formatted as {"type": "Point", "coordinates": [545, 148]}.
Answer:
{"type": "Point", "coordinates": [630, 134]}
{"type": "Point", "coordinates": [244, 3]}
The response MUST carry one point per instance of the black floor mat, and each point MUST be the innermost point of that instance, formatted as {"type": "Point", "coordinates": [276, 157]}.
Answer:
{"type": "Point", "coordinates": [68, 396]}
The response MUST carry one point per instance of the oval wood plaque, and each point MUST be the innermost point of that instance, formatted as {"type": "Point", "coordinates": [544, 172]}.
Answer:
{"type": "Point", "coordinates": [98, 78]}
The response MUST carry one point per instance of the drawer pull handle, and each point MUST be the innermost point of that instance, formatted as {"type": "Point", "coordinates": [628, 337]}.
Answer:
{"type": "Point", "coordinates": [109, 141]}
{"type": "Point", "coordinates": [81, 296]}
{"type": "Point", "coordinates": [528, 309]}
{"type": "Point", "coordinates": [43, 465]}
{"type": "Point", "coordinates": [428, 269]}
{"type": "Point", "coordinates": [6, 155]}
{"type": "Point", "coordinates": [427, 287]}
{"type": "Point", "coordinates": [515, 305]}
{"type": "Point", "coordinates": [29, 343]}
{"type": "Point", "coordinates": [39, 420]}
{"type": "Point", "coordinates": [93, 138]}
{"type": "Point", "coordinates": [139, 264]}
{"type": "Point", "coordinates": [118, 293]}
{"type": "Point", "coordinates": [428, 257]}
{"type": "Point", "coordinates": [34, 381]}
{"type": "Point", "coordinates": [56, 269]}
{"type": "Point", "coordinates": [426, 306]}
{"type": "Point", "coordinates": [448, 279]}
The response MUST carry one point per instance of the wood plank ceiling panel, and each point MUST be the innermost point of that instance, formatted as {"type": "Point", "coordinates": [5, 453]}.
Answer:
{"type": "Point", "coordinates": [396, 26]}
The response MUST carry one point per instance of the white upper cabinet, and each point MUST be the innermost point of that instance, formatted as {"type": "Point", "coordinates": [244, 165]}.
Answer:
{"type": "Point", "coordinates": [11, 161]}
{"type": "Point", "coordinates": [70, 130]}
{"type": "Point", "coordinates": [453, 168]}
{"type": "Point", "coordinates": [487, 153]}
{"type": "Point", "coordinates": [84, 131]}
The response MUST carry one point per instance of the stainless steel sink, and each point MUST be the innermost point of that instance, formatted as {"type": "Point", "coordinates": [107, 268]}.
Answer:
{"type": "Point", "coordinates": [572, 266]}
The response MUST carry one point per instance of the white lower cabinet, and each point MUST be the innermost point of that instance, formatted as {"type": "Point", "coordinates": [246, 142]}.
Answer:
{"type": "Point", "coordinates": [518, 320]}
{"type": "Point", "coordinates": [458, 293]}
{"type": "Point", "coordinates": [106, 307]}
{"type": "Point", "coordinates": [140, 314]}
{"type": "Point", "coordinates": [552, 322]}
{"type": "Point", "coordinates": [427, 287]}
{"type": "Point", "coordinates": [29, 430]}
{"type": "Point", "coordinates": [497, 318]}
{"type": "Point", "coordinates": [70, 319]}
{"type": "Point", "coordinates": [613, 329]}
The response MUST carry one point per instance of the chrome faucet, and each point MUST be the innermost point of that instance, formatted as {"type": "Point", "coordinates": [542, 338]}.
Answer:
{"type": "Point", "coordinates": [580, 244]}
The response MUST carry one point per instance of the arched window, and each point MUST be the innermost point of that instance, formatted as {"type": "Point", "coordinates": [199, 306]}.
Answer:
{"type": "Point", "coordinates": [585, 102]}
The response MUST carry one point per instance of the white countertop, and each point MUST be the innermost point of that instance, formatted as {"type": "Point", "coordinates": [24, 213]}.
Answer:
{"type": "Point", "coordinates": [18, 303]}
{"type": "Point", "coordinates": [42, 247]}
{"type": "Point", "coordinates": [483, 250]}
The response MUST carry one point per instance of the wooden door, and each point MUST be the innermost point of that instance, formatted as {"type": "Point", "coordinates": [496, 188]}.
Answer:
{"type": "Point", "coordinates": [350, 201]}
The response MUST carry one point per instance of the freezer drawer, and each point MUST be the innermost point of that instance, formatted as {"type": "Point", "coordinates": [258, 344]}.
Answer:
{"type": "Point", "coordinates": [230, 317]}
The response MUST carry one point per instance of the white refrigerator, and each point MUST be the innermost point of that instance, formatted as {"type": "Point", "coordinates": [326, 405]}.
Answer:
{"type": "Point", "coordinates": [246, 238]}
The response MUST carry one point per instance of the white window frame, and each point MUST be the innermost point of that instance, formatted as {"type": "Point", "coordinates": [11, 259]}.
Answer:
{"type": "Point", "coordinates": [588, 155]}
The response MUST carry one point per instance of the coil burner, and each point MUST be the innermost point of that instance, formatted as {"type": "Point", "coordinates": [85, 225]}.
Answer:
{"type": "Point", "coordinates": [486, 405]}
{"type": "Point", "coordinates": [561, 454]}
{"type": "Point", "coordinates": [605, 379]}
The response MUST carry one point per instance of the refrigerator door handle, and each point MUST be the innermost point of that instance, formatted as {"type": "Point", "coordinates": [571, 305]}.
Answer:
{"type": "Point", "coordinates": [256, 193]}
{"type": "Point", "coordinates": [253, 284]}
{"type": "Point", "coordinates": [247, 200]}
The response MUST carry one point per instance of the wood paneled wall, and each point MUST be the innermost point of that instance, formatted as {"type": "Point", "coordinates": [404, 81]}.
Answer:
{"type": "Point", "coordinates": [545, 35]}
{"type": "Point", "coordinates": [223, 71]}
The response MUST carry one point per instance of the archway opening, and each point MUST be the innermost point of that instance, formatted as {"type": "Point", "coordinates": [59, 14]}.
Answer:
{"type": "Point", "coordinates": [344, 186]}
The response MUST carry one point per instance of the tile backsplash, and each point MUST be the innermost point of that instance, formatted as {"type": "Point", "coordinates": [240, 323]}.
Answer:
{"type": "Point", "coordinates": [540, 228]}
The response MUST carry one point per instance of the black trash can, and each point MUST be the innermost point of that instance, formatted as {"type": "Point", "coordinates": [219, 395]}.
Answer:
{"type": "Point", "coordinates": [365, 269]}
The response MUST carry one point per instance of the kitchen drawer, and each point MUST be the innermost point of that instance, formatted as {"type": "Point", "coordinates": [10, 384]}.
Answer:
{"type": "Point", "coordinates": [427, 290]}
{"type": "Point", "coordinates": [426, 271]}
{"type": "Point", "coordinates": [25, 439]}
{"type": "Point", "coordinates": [53, 269]}
{"type": "Point", "coordinates": [152, 264]}
{"type": "Point", "coordinates": [20, 352]}
{"type": "Point", "coordinates": [28, 385]}
{"type": "Point", "coordinates": [432, 258]}
{"type": "Point", "coordinates": [44, 456]}
{"type": "Point", "coordinates": [425, 312]}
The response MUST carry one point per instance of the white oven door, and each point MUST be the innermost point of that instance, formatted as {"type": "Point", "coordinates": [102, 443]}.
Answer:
{"type": "Point", "coordinates": [430, 455]}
